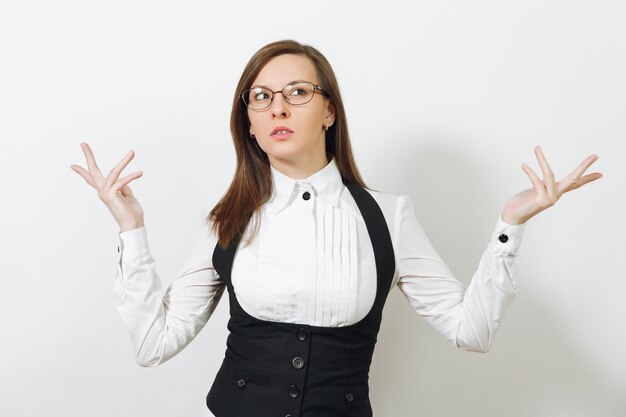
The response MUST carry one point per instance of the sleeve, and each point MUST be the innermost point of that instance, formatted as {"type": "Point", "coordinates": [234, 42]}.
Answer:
{"type": "Point", "coordinates": [470, 317]}
{"type": "Point", "coordinates": [161, 324]}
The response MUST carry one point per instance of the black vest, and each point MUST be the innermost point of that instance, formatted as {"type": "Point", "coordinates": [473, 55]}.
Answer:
{"type": "Point", "coordinates": [276, 369]}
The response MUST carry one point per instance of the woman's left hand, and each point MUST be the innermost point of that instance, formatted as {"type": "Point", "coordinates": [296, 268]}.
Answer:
{"type": "Point", "coordinates": [545, 193]}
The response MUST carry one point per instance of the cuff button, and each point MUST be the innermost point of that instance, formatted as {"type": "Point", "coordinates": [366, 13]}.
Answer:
{"type": "Point", "coordinates": [503, 238]}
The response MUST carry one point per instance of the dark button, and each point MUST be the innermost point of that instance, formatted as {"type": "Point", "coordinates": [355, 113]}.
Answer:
{"type": "Point", "coordinates": [118, 249]}
{"type": "Point", "coordinates": [241, 383]}
{"type": "Point", "coordinates": [297, 362]}
{"type": "Point", "coordinates": [306, 195]}
{"type": "Point", "coordinates": [503, 238]}
{"type": "Point", "coordinates": [301, 334]}
{"type": "Point", "coordinates": [349, 396]}
{"type": "Point", "coordinates": [293, 391]}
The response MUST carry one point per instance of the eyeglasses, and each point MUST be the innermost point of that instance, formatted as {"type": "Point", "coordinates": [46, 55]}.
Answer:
{"type": "Point", "coordinates": [296, 93]}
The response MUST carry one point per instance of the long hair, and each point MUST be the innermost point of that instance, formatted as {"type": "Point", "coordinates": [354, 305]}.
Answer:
{"type": "Point", "coordinates": [252, 183]}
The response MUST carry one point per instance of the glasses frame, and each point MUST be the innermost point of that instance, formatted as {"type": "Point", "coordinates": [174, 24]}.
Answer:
{"type": "Point", "coordinates": [315, 88]}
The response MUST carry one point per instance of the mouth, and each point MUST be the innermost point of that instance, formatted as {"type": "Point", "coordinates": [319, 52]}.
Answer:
{"type": "Point", "coordinates": [281, 132]}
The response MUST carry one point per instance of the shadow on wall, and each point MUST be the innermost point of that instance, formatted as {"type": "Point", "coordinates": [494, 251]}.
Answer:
{"type": "Point", "coordinates": [531, 369]}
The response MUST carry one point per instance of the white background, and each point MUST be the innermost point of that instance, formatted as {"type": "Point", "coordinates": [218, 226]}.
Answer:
{"type": "Point", "coordinates": [445, 100]}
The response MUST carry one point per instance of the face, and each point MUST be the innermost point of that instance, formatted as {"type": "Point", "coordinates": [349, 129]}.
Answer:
{"type": "Point", "coordinates": [307, 121]}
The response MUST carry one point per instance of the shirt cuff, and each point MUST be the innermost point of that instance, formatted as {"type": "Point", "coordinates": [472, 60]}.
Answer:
{"type": "Point", "coordinates": [507, 238]}
{"type": "Point", "coordinates": [133, 243]}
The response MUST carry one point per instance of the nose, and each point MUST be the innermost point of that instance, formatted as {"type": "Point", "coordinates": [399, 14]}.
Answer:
{"type": "Point", "coordinates": [279, 106]}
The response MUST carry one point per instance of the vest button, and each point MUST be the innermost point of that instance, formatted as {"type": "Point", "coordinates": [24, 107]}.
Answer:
{"type": "Point", "coordinates": [241, 383]}
{"type": "Point", "coordinates": [503, 238]}
{"type": "Point", "coordinates": [349, 396]}
{"type": "Point", "coordinates": [297, 362]}
{"type": "Point", "coordinates": [301, 334]}
{"type": "Point", "coordinates": [306, 195]}
{"type": "Point", "coordinates": [293, 391]}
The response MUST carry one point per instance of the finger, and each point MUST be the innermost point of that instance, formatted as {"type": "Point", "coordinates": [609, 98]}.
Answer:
{"type": "Point", "coordinates": [122, 184]}
{"type": "Point", "coordinates": [115, 172]}
{"type": "Point", "coordinates": [583, 180]}
{"type": "Point", "coordinates": [584, 165]}
{"type": "Point", "coordinates": [548, 175]}
{"type": "Point", "coordinates": [91, 161]}
{"type": "Point", "coordinates": [85, 174]}
{"type": "Point", "coordinates": [573, 177]}
{"type": "Point", "coordinates": [539, 187]}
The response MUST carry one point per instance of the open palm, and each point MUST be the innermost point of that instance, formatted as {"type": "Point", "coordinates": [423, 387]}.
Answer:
{"type": "Point", "coordinates": [545, 192]}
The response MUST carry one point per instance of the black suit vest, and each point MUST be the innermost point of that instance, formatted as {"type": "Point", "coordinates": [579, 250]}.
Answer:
{"type": "Point", "coordinates": [277, 369]}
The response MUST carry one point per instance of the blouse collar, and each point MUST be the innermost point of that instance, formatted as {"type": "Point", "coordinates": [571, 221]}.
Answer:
{"type": "Point", "coordinates": [326, 183]}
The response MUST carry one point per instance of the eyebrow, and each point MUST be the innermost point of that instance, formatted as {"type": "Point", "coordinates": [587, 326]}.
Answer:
{"type": "Point", "coordinates": [290, 82]}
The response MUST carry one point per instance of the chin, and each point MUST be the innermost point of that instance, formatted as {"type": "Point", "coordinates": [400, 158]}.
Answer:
{"type": "Point", "coordinates": [283, 150]}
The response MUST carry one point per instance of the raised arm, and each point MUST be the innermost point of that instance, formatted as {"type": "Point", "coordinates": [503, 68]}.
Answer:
{"type": "Point", "coordinates": [470, 317]}
{"type": "Point", "coordinates": [160, 324]}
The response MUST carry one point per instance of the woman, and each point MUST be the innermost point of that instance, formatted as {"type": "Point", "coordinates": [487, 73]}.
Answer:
{"type": "Point", "coordinates": [319, 253]}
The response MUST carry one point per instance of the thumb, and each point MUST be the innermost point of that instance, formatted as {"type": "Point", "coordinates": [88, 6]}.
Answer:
{"type": "Point", "coordinates": [126, 191]}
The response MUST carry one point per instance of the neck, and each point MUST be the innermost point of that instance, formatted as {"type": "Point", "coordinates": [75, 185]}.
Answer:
{"type": "Point", "coordinates": [299, 168]}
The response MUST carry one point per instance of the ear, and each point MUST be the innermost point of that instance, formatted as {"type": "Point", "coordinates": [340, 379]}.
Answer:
{"type": "Point", "coordinates": [330, 111]}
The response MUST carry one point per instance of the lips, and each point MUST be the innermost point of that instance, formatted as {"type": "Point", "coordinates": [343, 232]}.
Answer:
{"type": "Point", "coordinates": [279, 128]}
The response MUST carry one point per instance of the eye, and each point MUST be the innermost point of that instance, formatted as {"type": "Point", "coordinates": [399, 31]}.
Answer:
{"type": "Point", "coordinates": [301, 92]}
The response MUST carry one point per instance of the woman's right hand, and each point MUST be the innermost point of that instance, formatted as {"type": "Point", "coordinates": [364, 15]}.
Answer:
{"type": "Point", "coordinates": [114, 193]}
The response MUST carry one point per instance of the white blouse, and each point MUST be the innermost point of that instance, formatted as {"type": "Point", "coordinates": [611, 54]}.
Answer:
{"type": "Point", "coordinates": [312, 262]}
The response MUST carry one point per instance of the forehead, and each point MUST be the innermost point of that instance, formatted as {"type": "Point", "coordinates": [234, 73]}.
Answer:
{"type": "Point", "coordinates": [283, 69]}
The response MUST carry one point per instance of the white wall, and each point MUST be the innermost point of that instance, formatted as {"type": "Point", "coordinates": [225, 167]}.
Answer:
{"type": "Point", "coordinates": [445, 101]}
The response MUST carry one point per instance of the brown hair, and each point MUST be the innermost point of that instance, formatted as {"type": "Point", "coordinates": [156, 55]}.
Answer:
{"type": "Point", "coordinates": [252, 183]}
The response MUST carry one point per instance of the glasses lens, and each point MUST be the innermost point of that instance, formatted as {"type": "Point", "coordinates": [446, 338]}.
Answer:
{"type": "Point", "coordinates": [299, 93]}
{"type": "Point", "coordinates": [257, 98]}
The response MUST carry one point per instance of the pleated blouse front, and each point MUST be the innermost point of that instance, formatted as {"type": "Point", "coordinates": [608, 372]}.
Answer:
{"type": "Point", "coordinates": [303, 267]}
